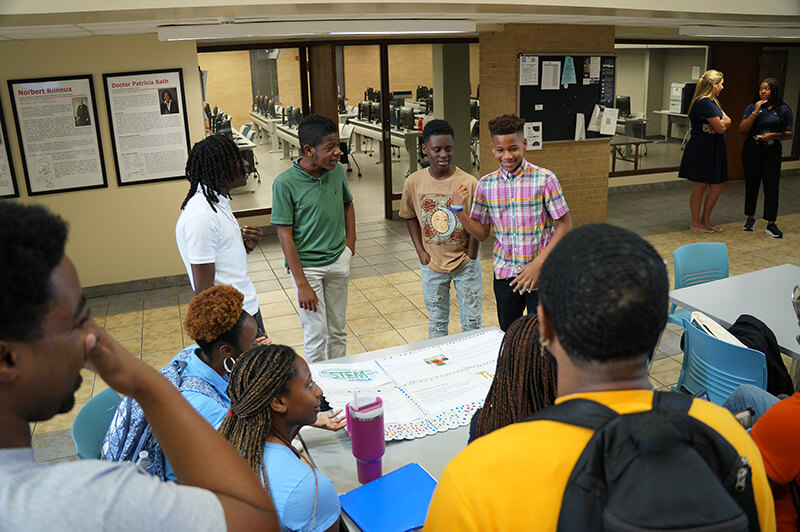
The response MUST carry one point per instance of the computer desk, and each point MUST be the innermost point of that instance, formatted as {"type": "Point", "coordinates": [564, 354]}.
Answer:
{"type": "Point", "coordinates": [673, 118]}
{"type": "Point", "coordinates": [399, 137]}
{"type": "Point", "coordinates": [289, 137]}
{"type": "Point", "coordinates": [619, 143]}
{"type": "Point", "coordinates": [267, 124]}
{"type": "Point", "coordinates": [242, 142]}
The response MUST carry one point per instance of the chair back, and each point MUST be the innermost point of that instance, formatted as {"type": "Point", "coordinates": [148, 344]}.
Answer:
{"type": "Point", "coordinates": [718, 367]}
{"type": "Point", "coordinates": [697, 264]}
{"type": "Point", "coordinates": [91, 423]}
{"type": "Point", "coordinates": [700, 263]}
{"type": "Point", "coordinates": [244, 129]}
{"type": "Point", "coordinates": [474, 129]}
{"type": "Point", "coordinates": [345, 135]}
{"type": "Point", "coordinates": [251, 135]}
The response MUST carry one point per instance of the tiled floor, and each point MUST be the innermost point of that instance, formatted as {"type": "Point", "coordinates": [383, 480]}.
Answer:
{"type": "Point", "coordinates": [385, 306]}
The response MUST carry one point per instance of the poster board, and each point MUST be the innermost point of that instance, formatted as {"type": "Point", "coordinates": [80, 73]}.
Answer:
{"type": "Point", "coordinates": [553, 89]}
{"type": "Point", "coordinates": [8, 181]}
{"type": "Point", "coordinates": [149, 126]}
{"type": "Point", "coordinates": [58, 134]}
{"type": "Point", "coordinates": [424, 391]}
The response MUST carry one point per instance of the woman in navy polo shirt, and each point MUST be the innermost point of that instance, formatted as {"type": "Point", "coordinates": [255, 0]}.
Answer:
{"type": "Point", "coordinates": [766, 123]}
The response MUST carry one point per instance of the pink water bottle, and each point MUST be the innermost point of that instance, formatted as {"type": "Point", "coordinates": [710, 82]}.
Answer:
{"type": "Point", "coordinates": [365, 425]}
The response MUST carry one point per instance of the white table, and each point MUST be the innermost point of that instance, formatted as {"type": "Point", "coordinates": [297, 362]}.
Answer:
{"type": "Point", "coordinates": [673, 118]}
{"type": "Point", "coordinates": [289, 137]}
{"type": "Point", "coordinates": [268, 124]}
{"type": "Point", "coordinates": [399, 137]}
{"type": "Point", "coordinates": [765, 294]}
{"type": "Point", "coordinates": [242, 142]}
{"type": "Point", "coordinates": [331, 452]}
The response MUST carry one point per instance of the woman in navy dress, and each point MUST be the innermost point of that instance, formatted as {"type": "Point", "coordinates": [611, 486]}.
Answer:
{"type": "Point", "coordinates": [766, 123]}
{"type": "Point", "coordinates": [705, 158]}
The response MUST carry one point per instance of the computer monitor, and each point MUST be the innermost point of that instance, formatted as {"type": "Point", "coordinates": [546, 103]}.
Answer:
{"type": "Point", "coordinates": [474, 110]}
{"type": "Point", "coordinates": [429, 105]}
{"type": "Point", "coordinates": [369, 94]}
{"type": "Point", "coordinates": [363, 110]}
{"type": "Point", "coordinates": [270, 110]}
{"type": "Point", "coordinates": [297, 116]}
{"type": "Point", "coordinates": [342, 106]}
{"type": "Point", "coordinates": [624, 105]}
{"type": "Point", "coordinates": [405, 118]}
{"type": "Point", "coordinates": [287, 115]}
{"type": "Point", "coordinates": [392, 115]}
{"type": "Point", "coordinates": [375, 112]}
{"type": "Point", "coordinates": [423, 92]}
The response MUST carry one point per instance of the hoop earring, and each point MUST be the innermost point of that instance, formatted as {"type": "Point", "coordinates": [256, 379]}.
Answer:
{"type": "Point", "coordinates": [544, 342]}
{"type": "Point", "coordinates": [226, 362]}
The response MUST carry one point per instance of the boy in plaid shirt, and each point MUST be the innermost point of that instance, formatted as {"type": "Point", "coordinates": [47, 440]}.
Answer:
{"type": "Point", "coordinates": [525, 207]}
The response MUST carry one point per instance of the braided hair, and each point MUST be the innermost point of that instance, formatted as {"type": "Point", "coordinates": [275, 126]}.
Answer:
{"type": "Point", "coordinates": [214, 163]}
{"type": "Point", "coordinates": [525, 379]}
{"type": "Point", "coordinates": [259, 376]}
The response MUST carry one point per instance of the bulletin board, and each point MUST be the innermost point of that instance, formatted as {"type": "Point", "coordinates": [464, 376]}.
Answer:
{"type": "Point", "coordinates": [555, 108]}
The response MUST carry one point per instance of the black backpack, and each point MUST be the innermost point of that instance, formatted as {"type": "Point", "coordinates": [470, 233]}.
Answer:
{"type": "Point", "coordinates": [755, 334]}
{"type": "Point", "coordinates": [655, 470]}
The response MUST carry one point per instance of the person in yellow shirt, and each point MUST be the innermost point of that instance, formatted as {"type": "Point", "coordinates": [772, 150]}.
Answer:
{"type": "Point", "coordinates": [603, 305]}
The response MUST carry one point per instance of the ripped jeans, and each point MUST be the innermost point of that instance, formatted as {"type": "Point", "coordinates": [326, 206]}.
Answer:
{"type": "Point", "coordinates": [469, 293]}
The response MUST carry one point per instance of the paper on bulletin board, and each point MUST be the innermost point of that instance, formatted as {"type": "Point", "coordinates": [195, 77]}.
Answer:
{"type": "Point", "coordinates": [568, 76]}
{"type": "Point", "coordinates": [580, 127]}
{"type": "Point", "coordinates": [551, 75]}
{"type": "Point", "coordinates": [594, 67]}
{"type": "Point", "coordinates": [608, 126]}
{"type": "Point", "coordinates": [695, 72]}
{"type": "Point", "coordinates": [594, 121]}
{"type": "Point", "coordinates": [533, 134]}
{"type": "Point", "coordinates": [528, 70]}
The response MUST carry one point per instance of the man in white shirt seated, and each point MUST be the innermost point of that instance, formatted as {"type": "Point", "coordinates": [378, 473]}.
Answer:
{"type": "Point", "coordinates": [46, 338]}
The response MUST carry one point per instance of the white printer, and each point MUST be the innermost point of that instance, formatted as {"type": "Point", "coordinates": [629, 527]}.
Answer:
{"type": "Point", "coordinates": [680, 96]}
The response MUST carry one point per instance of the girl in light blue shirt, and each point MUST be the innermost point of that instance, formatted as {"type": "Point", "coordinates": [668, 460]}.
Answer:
{"type": "Point", "coordinates": [272, 396]}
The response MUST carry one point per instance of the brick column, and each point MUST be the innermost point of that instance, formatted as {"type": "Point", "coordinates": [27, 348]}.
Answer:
{"type": "Point", "coordinates": [581, 167]}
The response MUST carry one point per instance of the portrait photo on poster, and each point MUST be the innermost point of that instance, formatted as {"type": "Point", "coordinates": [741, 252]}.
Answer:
{"type": "Point", "coordinates": [168, 101]}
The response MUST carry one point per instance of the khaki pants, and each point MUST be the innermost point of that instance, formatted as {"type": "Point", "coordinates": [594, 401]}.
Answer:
{"type": "Point", "coordinates": [324, 333]}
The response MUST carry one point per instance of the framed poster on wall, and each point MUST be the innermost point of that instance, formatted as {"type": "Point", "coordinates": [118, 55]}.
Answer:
{"type": "Point", "coordinates": [58, 133]}
{"type": "Point", "coordinates": [149, 126]}
{"type": "Point", "coordinates": [8, 182]}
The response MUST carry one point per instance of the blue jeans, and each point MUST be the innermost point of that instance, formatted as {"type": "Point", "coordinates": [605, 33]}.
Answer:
{"type": "Point", "coordinates": [436, 293]}
{"type": "Point", "coordinates": [749, 396]}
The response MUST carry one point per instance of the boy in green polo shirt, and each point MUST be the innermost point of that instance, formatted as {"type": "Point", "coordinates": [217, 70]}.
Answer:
{"type": "Point", "coordinates": [312, 208]}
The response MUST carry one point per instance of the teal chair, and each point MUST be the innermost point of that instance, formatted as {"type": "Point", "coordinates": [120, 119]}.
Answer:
{"type": "Point", "coordinates": [697, 264]}
{"type": "Point", "coordinates": [718, 367]}
{"type": "Point", "coordinates": [91, 423]}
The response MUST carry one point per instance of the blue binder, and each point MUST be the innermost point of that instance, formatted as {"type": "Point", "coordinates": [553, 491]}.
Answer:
{"type": "Point", "coordinates": [395, 502]}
